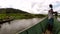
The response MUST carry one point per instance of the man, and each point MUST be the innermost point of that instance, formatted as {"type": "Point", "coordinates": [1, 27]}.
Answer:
{"type": "Point", "coordinates": [50, 18]}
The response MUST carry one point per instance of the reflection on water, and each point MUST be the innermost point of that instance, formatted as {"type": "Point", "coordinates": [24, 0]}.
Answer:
{"type": "Point", "coordinates": [17, 25]}
{"type": "Point", "coordinates": [58, 19]}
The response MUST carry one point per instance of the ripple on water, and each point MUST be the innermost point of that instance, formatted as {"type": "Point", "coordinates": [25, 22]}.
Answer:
{"type": "Point", "coordinates": [58, 19]}
{"type": "Point", "coordinates": [17, 25]}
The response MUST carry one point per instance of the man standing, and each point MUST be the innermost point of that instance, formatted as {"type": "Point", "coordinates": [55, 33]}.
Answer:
{"type": "Point", "coordinates": [50, 18]}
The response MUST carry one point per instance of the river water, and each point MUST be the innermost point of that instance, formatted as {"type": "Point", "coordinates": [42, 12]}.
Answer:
{"type": "Point", "coordinates": [17, 25]}
{"type": "Point", "coordinates": [58, 19]}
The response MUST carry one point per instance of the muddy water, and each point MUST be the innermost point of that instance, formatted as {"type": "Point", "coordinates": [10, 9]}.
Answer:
{"type": "Point", "coordinates": [17, 25]}
{"type": "Point", "coordinates": [58, 19]}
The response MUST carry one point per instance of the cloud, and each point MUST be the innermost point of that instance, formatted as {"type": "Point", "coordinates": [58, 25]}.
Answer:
{"type": "Point", "coordinates": [32, 6]}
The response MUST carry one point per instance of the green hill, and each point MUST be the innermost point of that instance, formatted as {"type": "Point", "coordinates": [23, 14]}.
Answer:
{"type": "Point", "coordinates": [11, 10]}
{"type": "Point", "coordinates": [18, 14]}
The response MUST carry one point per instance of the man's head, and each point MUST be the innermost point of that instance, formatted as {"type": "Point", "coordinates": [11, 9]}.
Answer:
{"type": "Point", "coordinates": [51, 6]}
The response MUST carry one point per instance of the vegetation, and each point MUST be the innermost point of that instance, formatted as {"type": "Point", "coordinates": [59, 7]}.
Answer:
{"type": "Point", "coordinates": [17, 14]}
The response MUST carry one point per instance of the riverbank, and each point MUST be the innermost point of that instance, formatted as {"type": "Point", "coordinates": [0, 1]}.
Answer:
{"type": "Point", "coordinates": [21, 16]}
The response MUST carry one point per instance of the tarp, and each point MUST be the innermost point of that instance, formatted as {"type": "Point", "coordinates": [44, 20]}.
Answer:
{"type": "Point", "coordinates": [56, 26]}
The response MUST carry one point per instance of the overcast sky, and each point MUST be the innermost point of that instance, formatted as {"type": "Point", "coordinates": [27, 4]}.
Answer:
{"type": "Point", "coordinates": [32, 6]}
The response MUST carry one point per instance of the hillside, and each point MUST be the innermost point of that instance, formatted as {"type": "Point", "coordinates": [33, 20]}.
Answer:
{"type": "Point", "coordinates": [11, 10]}
{"type": "Point", "coordinates": [18, 14]}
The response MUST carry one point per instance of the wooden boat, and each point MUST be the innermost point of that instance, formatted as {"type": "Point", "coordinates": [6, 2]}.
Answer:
{"type": "Point", "coordinates": [6, 20]}
{"type": "Point", "coordinates": [41, 27]}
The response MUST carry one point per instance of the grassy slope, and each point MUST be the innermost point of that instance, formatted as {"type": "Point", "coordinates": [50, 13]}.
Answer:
{"type": "Point", "coordinates": [21, 16]}
{"type": "Point", "coordinates": [18, 14]}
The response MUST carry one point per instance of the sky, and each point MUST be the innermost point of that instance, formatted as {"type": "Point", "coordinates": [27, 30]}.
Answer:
{"type": "Point", "coordinates": [31, 6]}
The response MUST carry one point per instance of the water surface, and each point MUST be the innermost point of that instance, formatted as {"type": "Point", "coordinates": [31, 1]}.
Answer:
{"type": "Point", "coordinates": [58, 19]}
{"type": "Point", "coordinates": [17, 25]}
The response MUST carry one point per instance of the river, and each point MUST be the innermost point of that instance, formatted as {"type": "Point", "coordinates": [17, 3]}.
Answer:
{"type": "Point", "coordinates": [58, 19]}
{"type": "Point", "coordinates": [17, 25]}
